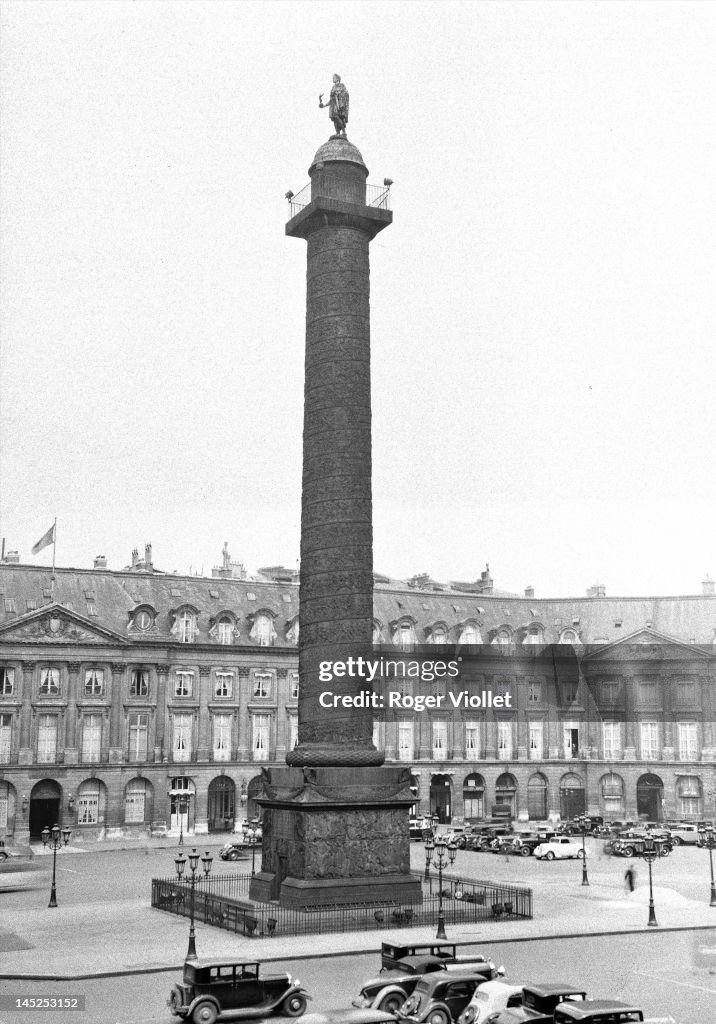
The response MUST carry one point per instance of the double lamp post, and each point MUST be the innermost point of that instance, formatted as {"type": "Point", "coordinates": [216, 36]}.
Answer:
{"type": "Point", "coordinates": [55, 838]}
{"type": "Point", "coordinates": [444, 854]}
{"type": "Point", "coordinates": [180, 862]}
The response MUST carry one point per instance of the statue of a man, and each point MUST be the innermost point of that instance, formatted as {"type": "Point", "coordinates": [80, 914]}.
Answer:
{"type": "Point", "coordinates": [337, 107]}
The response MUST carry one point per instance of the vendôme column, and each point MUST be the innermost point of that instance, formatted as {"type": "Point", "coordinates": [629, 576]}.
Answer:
{"type": "Point", "coordinates": [335, 821]}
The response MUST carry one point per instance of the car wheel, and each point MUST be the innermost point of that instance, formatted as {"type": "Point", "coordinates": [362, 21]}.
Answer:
{"type": "Point", "coordinates": [438, 1017]}
{"type": "Point", "coordinates": [3, 855]}
{"type": "Point", "coordinates": [391, 1003]}
{"type": "Point", "coordinates": [627, 851]}
{"type": "Point", "coordinates": [580, 853]}
{"type": "Point", "coordinates": [676, 841]}
{"type": "Point", "coordinates": [204, 1013]}
{"type": "Point", "coordinates": [295, 1005]}
{"type": "Point", "coordinates": [664, 851]}
{"type": "Point", "coordinates": [525, 851]}
{"type": "Point", "coordinates": [549, 855]}
{"type": "Point", "coordinates": [233, 855]}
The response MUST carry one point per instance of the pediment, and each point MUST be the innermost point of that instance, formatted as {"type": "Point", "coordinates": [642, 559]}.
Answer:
{"type": "Point", "coordinates": [55, 624]}
{"type": "Point", "coordinates": [645, 645]}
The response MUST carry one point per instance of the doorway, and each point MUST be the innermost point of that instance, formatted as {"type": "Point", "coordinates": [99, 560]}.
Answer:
{"type": "Point", "coordinates": [45, 807]}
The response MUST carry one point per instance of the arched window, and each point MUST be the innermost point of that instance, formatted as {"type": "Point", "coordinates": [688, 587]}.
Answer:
{"type": "Point", "coordinates": [612, 789]}
{"type": "Point", "coordinates": [473, 797]}
{"type": "Point", "coordinates": [534, 635]}
{"type": "Point", "coordinates": [439, 634]}
{"type": "Point", "coordinates": [135, 801]}
{"type": "Point", "coordinates": [569, 636]}
{"type": "Point", "coordinates": [470, 634]}
{"type": "Point", "coordinates": [91, 802]}
{"type": "Point", "coordinates": [537, 797]}
{"type": "Point", "coordinates": [225, 630]}
{"type": "Point", "coordinates": [404, 635]}
{"type": "Point", "coordinates": [262, 632]}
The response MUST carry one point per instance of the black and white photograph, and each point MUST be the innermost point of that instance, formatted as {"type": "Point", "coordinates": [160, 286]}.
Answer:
{"type": "Point", "coordinates": [357, 570]}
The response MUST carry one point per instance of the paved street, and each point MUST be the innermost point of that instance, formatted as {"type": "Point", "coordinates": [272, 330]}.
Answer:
{"type": "Point", "coordinates": [664, 973]}
{"type": "Point", "coordinates": [104, 923]}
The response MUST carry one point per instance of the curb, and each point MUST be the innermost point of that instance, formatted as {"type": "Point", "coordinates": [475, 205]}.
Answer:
{"type": "Point", "coordinates": [359, 952]}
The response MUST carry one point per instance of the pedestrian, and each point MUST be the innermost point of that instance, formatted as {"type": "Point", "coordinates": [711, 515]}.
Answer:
{"type": "Point", "coordinates": [630, 879]}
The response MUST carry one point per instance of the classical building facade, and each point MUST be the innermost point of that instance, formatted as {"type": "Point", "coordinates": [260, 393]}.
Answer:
{"type": "Point", "coordinates": [135, 699]}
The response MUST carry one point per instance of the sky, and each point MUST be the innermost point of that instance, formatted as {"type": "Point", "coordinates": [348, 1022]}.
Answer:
{"type": "Point", "coordinates": [542, 308]}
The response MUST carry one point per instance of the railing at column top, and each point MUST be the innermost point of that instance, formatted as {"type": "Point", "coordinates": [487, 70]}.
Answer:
{"type": "Point", "coordinates": [375, 195]}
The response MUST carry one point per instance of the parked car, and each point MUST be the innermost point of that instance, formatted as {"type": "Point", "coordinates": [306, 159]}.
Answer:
{"type": "Point", "coordinates": [633, 844]}
{"type": "Point", "coordinates": [234, 849]}
{"type": "Point", "coordinates": [420, 828]}
{"type": "Point", "coordinates": [526, 843]}
{"type": "Point", "coordinates": [441, 997]}
{"type": "Point", "coordinates": [539, 1003]}
{"type": "Point", "coordinates": [392, 954]}
{"type": "Point", "coordinates": [559, 848]}
{"type": "Point", "coordinates": [488, 999]}
{"type": "Point", "coordinates": [10, 850]}
{"type": "Point", "coordinates": [597, 1011]}
{"type": "Point", "coordinates": [683, 834]}
{"type": "Point", "coordinates": [218, 989]}
{"type": "Point", "coordinates": [389, 990]}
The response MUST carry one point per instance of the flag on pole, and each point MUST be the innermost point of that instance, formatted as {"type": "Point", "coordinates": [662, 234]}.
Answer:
{"type": "Point", "coordinates": [45, 540]}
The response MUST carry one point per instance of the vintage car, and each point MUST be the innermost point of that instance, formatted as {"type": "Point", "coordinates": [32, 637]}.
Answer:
{"type": "Point", "coordinates": [223, 989]}
{"type": "Point", "coordinates": [420, 828]}
{"type": "Point", "coordinates": [489, 999]}
{"type": "Point", "coordinates": [389, 990]}
{"type": "Point", "coordinates": [525, 844]}
{"type": "Point", "coordinates": [10, 850]}
{"type": "Point", "coordinates": [633, 844]}
{"type": "Point", "coordinates": [597, 1011]}
{"type": "Point", "coordinates": [539, 1003]}
{"type": "Point", "coordinates": [392, 954]}
{"type": "Point", "coordinates": [441, 997]}
{"type": "Point", "coordinates": [559, 848]}
{"type": "Point", "coordinates": [234, 849]}
{"type": "Point", "coordinates": [682, 834]}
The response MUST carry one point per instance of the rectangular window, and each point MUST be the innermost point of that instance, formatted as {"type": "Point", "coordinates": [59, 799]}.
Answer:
{"type": "Point", "coordinates": [439, 741]}
{"type": "Point", "coordinates": [570, 732]}
{"type": "Point", "coordinates": [405, 741]}
{"type": "Point", "coordinates": [225, 631]}
{"type": "Point", "coordinates": [294, 686]}
{"type": "Point", "coordinates": [502, 688]}
{"type": "Point", "coordinates": [224, 685]}
{"type": "Point", "coordinates": [7, 682]}
{"type": "Point", "coordinates": [134, 801]}
{"type": "Point", "coordinates": [688, 741]}
{"type": "Point", "coordinates": [649, 741]}
{"type": "Point", "coordinates": [536, 741]}
{"type": "Point", "coordinates": [49, 681]}
{"type": "Point", "coordinates": [139, 685]}
{"type": "Point", "coordinates": [91, 738]}
{"type": "Point", "coordinates": [260, 737]}
{"type": "Point", "coordinates": [47, 739]}
{"type": "Point", "coordinates": [181, 743]}
{"type": "Point", "coordinates": [569, 692]}
{"type": "Point", "coordinates": [689, 791]}
{"type": "Point", "coordinates": [94, 682]}
{"type": "Point", "coordinates": [262, 685]}
{"type": "Point", "coordinates": [474, 805]}
{"type": "Point", "coordinates": [137, 737]}
{"type": "Point", "coordinates": [377, 743]}
{"type": "Point", "coordinates": [183, 684]}
{"type": "Point", "coordinates": [647, 692]}
{"type": "Point", "coordinates": [610, 691]}
{"type": "Point", "coordinates": [472, 741]}
{"type": "Point", "coordinates": [5, 738]}
{"type": "Point", "coordinates": [186, 628]}
{"type": "Point", "coordinates": [3, 809]}
{"type": "Point", "coordinates": [504, 741]}
{"type": "Point", "coordinates": [534, 693]}
{"type": "Point", "coordinates": [611, 742]}
{"type": "Point", "coordinates": [686, 691]}
{"type": "Point", "coordinates": [222, 737]}
{"type": "Point", "coordinates": [292, 732]}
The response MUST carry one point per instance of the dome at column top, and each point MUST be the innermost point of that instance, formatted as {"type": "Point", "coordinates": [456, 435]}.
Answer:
{"type": "Point", "coordinates": [338, 150]}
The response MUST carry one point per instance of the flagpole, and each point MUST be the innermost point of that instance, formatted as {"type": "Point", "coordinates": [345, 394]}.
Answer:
{"type": "Point", "coordinates": [54, 548]}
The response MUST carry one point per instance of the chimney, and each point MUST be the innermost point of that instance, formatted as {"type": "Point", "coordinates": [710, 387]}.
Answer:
{"type": "Point", "coordinates": [707, 586]}
{"type": "Point", "coordinates": [598, 590]}
{"type": "Point", "coordinates": [148, 556]}
{"type": "Point", "coordinates": [135, 557]}
{"type": "Point", "coordinates": [12, 558]}
{"type": "Point", "coordinates": [529, 591]}
{"type": "Point", "coordinates": [100, 562]}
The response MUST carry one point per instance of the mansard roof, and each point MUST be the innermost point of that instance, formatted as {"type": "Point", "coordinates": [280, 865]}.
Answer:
{"type": "Point", "coordinates": [106, 599]}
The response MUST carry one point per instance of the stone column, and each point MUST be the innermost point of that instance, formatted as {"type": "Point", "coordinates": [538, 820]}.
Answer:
{"type": "Point", "coordinates": [242, 697]}
{"type": "Point", "coordinates": [25, 753]}
{"type": "Point", "coordinates": [71, 730]}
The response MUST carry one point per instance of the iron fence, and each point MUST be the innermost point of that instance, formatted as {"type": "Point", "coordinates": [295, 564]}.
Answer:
{"type": "Point", "coordinates": [222, 901]}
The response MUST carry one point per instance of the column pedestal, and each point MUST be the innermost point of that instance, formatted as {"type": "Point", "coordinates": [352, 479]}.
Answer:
{"type": "Point", "coordinates": [336, 836]}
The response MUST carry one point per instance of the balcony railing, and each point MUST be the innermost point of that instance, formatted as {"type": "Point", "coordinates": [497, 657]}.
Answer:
{"type": "Point", "coordinates": [375, 195]}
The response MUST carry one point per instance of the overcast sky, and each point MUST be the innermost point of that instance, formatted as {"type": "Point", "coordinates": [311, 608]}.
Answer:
{"type": "Point", "coordinates": [543, 306]}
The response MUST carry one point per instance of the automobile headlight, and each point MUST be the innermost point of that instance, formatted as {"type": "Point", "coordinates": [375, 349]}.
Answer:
{"type": "Point", "coordinates": [469, 1015]}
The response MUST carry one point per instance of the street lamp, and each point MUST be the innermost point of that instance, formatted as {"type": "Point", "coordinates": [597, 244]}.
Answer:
{"type": "Point", "coordinates": [584, 829]}
{"type": "Point", "coordinates": [55, 839]}
{"type": "Point", "coordinates": [444, 853]}
{"type": "Point", "coordinates": [652, 850]}
{"type": "Point", "coordinates": [708, 842]}
{"type": "Point", "coordinates": [180, 862]}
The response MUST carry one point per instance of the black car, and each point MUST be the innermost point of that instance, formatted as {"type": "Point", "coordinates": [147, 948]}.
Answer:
{"type": "Point", "coordinates": [525, 844]}
{"type": "Point", "coordinates": [539, 1003]}
{"type": "Point", "coordinates": [212, 990]}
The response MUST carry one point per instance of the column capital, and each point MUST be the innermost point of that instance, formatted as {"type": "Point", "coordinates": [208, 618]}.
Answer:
{"type": "Point", "coordinates": [243, 672]}
{"type": "Point", "coordinates": [118, 668]}
{"type": "Point", "coordinates": [204, 671]}
{"type": "Point", "coordinates": [73, 667]}
{"type": "Point", "coordinates": [28, 666]}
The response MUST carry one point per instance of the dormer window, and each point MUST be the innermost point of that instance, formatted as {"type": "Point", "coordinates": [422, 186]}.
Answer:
{"type": "Point", "coordinates": [225, 630]}
{"type": "Point", "coordinates": [534, 635]}
{"type": "Point", "coordinates": [404, 636]}
{"type": "Point", "coordinates": [292, 631]}
{"type": "Point", "coordinates": [502, 637]}
{"type": "Point", "coordinates": [186, 627]}
{"type": "Point", "coordinates": [262, 632]}
{"type": "Point", "coordinates": [470, 634]}
{"type": "Point", "coordinates": [569, 636]}
{"type": "Point", "coordinates": [377, 632]}
{"type": "Point", "coordinates": [439, 634]}
{"type": "Point", "coordinates": [143, 619]}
